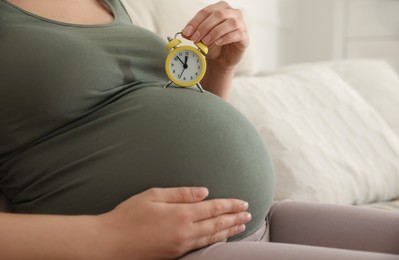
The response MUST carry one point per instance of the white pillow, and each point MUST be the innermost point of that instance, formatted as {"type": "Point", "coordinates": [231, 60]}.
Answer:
{"type": "Point", "coordinates": [377, 83]}
{"type": "Point", "coordinates": [375, 80]}
{"type": "Point", "coordinates": [168, 17]}
{"type": "Point", "coordinates": [327, 143]}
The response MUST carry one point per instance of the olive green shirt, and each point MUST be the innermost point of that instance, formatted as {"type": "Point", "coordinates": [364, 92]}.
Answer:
{"type": "Point", "coordinates": [85, 122]}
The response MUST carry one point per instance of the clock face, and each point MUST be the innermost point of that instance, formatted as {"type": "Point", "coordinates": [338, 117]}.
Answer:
{"type": "Point", "coordinates": [185, 66]}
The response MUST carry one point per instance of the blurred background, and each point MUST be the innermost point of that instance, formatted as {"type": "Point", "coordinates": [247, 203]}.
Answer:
{"type": "Point", "coordinates": [284, 32]}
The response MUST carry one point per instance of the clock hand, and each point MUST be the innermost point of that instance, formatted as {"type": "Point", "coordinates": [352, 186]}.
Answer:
{"type": "Point", "coordinates": [180, 60]}
{"type": "Point", "coordinates": [185, 62]}
{"type": "Point", "coordinates": [184, 68]}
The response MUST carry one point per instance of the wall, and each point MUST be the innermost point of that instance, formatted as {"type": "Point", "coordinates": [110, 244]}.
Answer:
{"type": "Point", "coordinates": [284, 32]}
{"type": "Point", "coordinates": [373, 30]}
{"type": "Point", "coordinates": [348, 29]}
{"type": "Point", "coordinates": [271, 29]}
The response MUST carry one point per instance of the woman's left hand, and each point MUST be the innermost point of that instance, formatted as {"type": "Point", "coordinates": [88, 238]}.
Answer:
{"type": "Point", "coordinates": [223, 30]}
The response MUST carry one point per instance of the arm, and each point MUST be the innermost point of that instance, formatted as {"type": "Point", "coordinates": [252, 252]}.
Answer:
{"type": "Point", "coordinates": [223, 29]}
{"type": "Point", "coordinates": [218, 81]}
{"type": "Point", "coordinates": [158, 223]}
{"type": "Point", "coordinates": [47, 237]}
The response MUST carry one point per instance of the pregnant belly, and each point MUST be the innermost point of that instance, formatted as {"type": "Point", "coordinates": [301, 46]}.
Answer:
{"type": "Point", "coordinates": [152, 137]}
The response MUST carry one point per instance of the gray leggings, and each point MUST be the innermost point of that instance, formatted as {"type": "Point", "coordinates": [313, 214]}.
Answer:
{"type": "Point", "coordinates": [302, 230]}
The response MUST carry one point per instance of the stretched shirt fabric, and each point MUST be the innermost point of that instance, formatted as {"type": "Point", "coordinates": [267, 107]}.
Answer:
{"type": "Point", "coordinates": [85, 122]}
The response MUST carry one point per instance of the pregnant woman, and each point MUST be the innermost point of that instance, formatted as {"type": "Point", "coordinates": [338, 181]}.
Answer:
{"type": "Point", "coordinates": [98, 161]}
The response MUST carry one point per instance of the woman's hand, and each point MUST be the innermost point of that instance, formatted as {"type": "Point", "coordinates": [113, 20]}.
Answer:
{"type": "Point", "coordinates": [223, 30]}
{"type": "Point", "coordinates": [166, 223]}
{"type": "Point", "coordinates": [155, 224]}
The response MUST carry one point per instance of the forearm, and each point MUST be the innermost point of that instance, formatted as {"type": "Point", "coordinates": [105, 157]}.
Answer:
{"type": "Point", "coordinates": [218, 80]}
{"type": "Point", "coordinates": [48, 237]}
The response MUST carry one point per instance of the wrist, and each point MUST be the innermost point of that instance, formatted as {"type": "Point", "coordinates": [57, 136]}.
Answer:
{"type": "Point", "coordinates": [107, 238]}
{"type": "Point", "coordinates": [79, 238]}
{"type": "Point", "coordinates": [115, 241]}
{"type": "Point", "coordinates": [91, 242]}
{"type": "Point", "coordinates": [218, 79]}
{"type": "Point", "coordinates": [221, 68]}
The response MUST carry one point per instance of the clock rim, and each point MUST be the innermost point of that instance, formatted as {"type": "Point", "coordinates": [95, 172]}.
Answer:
{"type": "Point", "coordinates": [182, 83]}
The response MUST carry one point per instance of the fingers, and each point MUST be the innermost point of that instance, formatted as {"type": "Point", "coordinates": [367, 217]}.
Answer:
{"type": "Point", "coordinates": [217, 23]}
{"type": "Point", "coordinates": [218, 236]}
{"type": "Point", "coordinates": [192, 223]}
{"type": "Point", "coordinates": [227, 224]}
{"type": "Point", "coordinates": [216, 207]}
{"type": "Point", "coordinates": [177, 195]}
{"type": "Point", "coordinates": [192, 25]}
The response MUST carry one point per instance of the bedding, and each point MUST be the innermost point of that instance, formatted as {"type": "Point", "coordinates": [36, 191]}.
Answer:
{"type": "Point", "coordinates": [327, 143]}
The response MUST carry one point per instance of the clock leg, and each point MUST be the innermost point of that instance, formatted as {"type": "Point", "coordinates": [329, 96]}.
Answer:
{"type": "Point", "coordinates": [200, 88]}
{"type": "Point", "coordinates": [167, 84]}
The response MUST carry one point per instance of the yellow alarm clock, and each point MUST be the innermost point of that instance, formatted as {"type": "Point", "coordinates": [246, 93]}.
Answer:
{"type": "Point", "coordinates": [185, 65]}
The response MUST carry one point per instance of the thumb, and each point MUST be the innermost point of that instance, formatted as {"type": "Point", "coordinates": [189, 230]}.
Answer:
{"type": "Point", "coordinates": [178, 195]}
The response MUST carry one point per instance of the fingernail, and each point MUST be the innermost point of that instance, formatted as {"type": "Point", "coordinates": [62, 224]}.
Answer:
{"type": "Point", "coordinates": [196, 36]}
{"type": "Point", "coordinates": [188, 30]}
{"type": "Point", "coordinates": [240, 228]}
{"type": "Point", "coordinates": [246, 216]}
{"type": "Point", "coordinates": [244, 205]}
{"type": "Point", "coordinates": [201, 192]}
{"type": "Point", "coordinates": [206, 40]}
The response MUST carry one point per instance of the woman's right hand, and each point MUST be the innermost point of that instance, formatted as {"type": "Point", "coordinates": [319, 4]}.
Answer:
{"type": "Point", "coordinates": [167, 223]}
